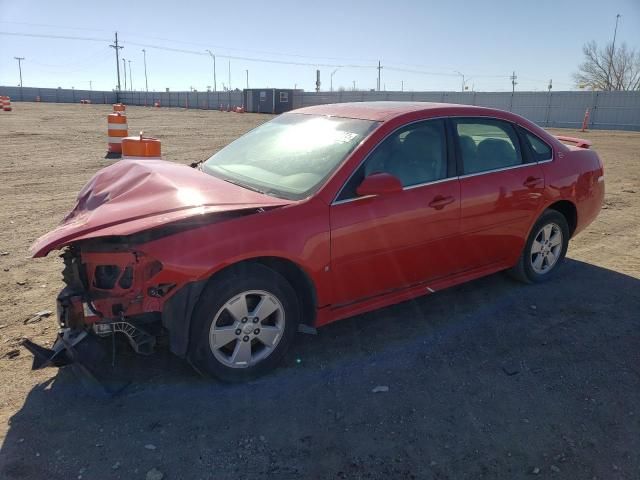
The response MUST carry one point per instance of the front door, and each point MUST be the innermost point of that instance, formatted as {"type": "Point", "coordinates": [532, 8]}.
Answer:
{"type": "Point", "coordinates": [391, 241]}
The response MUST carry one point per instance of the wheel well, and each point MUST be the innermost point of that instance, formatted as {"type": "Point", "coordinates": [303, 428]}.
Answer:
{"type": "Point", "coordinates": [568, 210]}
{"type": "Point", "coordinates": [298, 278]}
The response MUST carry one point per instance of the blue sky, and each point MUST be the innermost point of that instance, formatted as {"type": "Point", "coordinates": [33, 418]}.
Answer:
{"type": "Point", "coordinates": [421, 44]}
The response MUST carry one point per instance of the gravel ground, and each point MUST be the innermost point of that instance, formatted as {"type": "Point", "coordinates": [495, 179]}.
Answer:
{"type": "Point", "coordinates": [492, 379]}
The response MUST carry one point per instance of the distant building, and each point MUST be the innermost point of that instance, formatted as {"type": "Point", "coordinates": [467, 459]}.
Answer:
{"type": "Point", "coordinates": [270, 100]}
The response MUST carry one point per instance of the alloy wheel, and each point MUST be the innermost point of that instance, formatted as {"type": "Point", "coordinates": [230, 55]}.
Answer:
{"type": "Point", "coordinates": [247, 328]}
{"type": "Point", "coordinates": [546, 248]}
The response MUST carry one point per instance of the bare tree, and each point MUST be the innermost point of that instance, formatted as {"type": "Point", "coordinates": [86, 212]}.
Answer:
{"type": "Point", "coordinates": [609, 69]}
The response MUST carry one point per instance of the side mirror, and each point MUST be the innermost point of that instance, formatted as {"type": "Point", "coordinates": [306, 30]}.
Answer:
{"type": "Point", "coordinates": [379, 184]}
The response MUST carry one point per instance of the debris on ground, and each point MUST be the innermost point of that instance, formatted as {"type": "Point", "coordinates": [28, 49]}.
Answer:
{"type": "Point", "coordinates": [4, 253]}
{"type": "Point", "coordinates": [115, 466]}
{"type": "Point", "coordinates": [510, 370]}
{"type": "Point", "coordinates": [21, 282]}
{"type": "Point", "coordinates": [150, 446]}
{"type": "Point", "coordinates": [535, 471]}
{"type": "Point", "coordinates": [380, 388]}
{"type": "Point", "coordinates": [154, 474]}
{"type": "Point", "coordinates": [11, 354]}
{"type": "Point", "coordinates": [38, 316]}
{"type": "Point", "coordinates": [555, 469]}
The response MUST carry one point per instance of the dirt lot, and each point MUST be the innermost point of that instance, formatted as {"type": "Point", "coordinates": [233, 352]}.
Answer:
{"type": "Point", "coordinates": [492, 379]}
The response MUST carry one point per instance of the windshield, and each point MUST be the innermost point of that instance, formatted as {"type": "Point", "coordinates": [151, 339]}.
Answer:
{"type": "Point", "coordinates": [291, 155]}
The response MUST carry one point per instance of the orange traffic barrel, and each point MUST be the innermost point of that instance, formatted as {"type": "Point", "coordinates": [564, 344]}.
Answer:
{"type": "Point", "coordinates": [6, 104]}
{"type": "Point", "coordinates": [156, 104]}
{"type": "Point", "coordinates": [119, 107]}
{"type": "Point", "coordinates": [140, 147]}
{"type": "Point", "coordinates": [117, 130]}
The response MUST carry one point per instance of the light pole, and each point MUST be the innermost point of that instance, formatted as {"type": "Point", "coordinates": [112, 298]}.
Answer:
{"type": "Point", "coordinates": [146, 82]}
{"type": "Point", "coordinates": [331, 79]}
{"type": "Point", "coordinates": [215, 85]}
{"type": "Point", "coordinates": [247, 72]}
{"type": "Point", "coordinates": [124, 70]}
{"type": "Point", "coordinates": [613, 52]}
{"type": "Point", "coordinates": [463, 82]}
{"type": "Point", "coordinates": [20, 59]}
{"type": "Point", "coordinates": [130, 79]}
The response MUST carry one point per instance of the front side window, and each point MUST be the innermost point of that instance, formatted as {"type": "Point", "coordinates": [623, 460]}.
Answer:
{"type": "Point", "coordinates": [415, 154]}
{"type": "Point", "coordinates": [487, 144]}
{"type": "Point", "coordinates": [290, 156]}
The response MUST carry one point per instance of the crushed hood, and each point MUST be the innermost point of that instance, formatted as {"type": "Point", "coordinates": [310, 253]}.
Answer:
{"type": "Point", "coordinates": [135, 195]}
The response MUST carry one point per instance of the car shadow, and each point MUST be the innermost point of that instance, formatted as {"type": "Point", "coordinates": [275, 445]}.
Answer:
{"type": "Point", "coordinates": [492, 378]}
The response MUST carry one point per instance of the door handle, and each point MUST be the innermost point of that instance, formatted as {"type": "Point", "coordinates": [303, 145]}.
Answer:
{"type": "Point", "coordinates": [532, 182]}
{"type": "Point", "coordinates": [439, 202]}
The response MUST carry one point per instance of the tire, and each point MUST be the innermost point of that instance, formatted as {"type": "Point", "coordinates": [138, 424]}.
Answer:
{"type": "Point", "coordinates": [533, 267]}
{"type": "Point", "coordinates": [222, 329]}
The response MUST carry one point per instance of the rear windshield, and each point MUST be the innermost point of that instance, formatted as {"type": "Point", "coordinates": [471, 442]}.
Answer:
{"type": "Point", "coordinates": [290, 156]}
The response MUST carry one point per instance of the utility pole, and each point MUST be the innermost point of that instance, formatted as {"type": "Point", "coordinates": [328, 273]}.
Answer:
{"type": "Point", "coordinates": [550, 86]}
{"type": "Point", "coordinates": [130, 79]}
{"type": "Point", "coordinates": [215, 87]}
{"type": "Point", "coordinates": [146, 82]}
{"type": "Point", "coordinates": [20, 59]}
{"type": "Point", "coordinates": [124, 70]}
{"type": "Point", "coordinates": [379, 69]}
{"type": "Point", "coordinates": [229, 75]}
{"type": "Point", "coordinates": [402, 85]}
{"type": "Point", "coordinates": [90, 85]}
{"type": "Point", "coordinates": [613, 52]}
{"type": "Point", "coordinates": [354, 85]}
{"type": "Point", "coordinates": [247, 72]}
{"type": "Point", "coordinates": [117, 47]}
{"type": "Point", "coordinates": [513, 78]}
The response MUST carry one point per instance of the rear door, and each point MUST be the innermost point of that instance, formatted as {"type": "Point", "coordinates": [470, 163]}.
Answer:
{"type": "Point", "coordinates": [501, 189]}
{"type": "Point", "coordinates": [392, 241]}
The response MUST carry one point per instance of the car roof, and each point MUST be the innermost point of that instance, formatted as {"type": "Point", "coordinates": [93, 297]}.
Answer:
{"type": "Point", "coordinates": [382, 111]}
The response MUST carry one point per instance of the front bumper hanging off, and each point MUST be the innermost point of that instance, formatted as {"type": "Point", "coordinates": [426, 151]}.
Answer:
{"type": "Point", "coordinates": [86, 355]}
{"type": "Point", "coordinates": [61, 354]}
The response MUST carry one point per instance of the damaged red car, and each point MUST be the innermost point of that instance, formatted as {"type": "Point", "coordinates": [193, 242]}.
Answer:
{"type": "Point", "coordinates": [317, 215]}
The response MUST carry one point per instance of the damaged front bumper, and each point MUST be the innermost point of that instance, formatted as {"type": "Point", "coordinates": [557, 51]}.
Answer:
{"type": "Point", "coordinates": [61, 354]}
{"type": "Point", "coordinates": [84, 328]}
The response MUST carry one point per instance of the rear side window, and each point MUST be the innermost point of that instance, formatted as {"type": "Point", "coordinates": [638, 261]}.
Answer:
{"type": "Point", "coordinates": [487, 144]}
{"type": "Point", "coordinates": [540, 150]}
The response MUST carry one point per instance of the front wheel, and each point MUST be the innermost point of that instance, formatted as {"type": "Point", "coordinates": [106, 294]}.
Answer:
{"type": "Point", "coordinates": [244, 323]}
{"type": "Point", "coordinates": [544, 250]}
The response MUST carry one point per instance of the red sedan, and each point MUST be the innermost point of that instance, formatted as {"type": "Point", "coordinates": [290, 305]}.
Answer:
{"type": "Point", "coordinates": [318, 215]}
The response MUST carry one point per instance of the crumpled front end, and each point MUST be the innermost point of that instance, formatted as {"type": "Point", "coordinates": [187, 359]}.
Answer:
{"type": "Point", "coordinates": [109, 289]}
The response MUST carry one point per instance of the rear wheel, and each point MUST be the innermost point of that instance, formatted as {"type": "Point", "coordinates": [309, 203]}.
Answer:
{"type": "Point", "coordinates": [544, 250]}
{"type": "Point", "coordinates": [244, 323]}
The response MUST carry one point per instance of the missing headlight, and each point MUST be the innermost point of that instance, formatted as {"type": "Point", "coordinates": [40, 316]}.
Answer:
{"type": "Point", "coordinates": [106, 276]}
